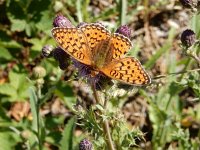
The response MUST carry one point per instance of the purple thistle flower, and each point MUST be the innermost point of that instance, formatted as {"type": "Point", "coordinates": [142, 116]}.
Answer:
{"type": "Point", "coordinates": [59, 54]}
{"type": "Point", "coordinates": [188, 38]}
{"type": "Point", "coordinates": [186, 3]}
{"type": "Point", "coordinates": [83, 70]}
{"type": "Point", "coordinates": [124, 30]}
{"type": "Point", "coordinates": [85, 145]}
{"type": "Point", "coordinates": [100, 80]}
{"type": "Point", "coordinates": [61, 21]}
{"type": "Point", "coordinates": [62, 57]}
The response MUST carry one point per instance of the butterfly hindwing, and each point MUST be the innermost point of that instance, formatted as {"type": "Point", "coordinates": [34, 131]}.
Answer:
{"type": "Point", "coordinates": [127, 70]}
{"type": "Point", "coordinates": [73, 42]}
{"type": "Point", "coordinates": [120, 45]}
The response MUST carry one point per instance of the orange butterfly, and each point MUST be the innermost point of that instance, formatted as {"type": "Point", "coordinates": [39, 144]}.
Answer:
{"type": "Point", "coordinates": [93, 45]}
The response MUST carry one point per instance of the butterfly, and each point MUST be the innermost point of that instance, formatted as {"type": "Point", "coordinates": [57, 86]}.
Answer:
{"type": "Point", "coordinates": [93, 45]}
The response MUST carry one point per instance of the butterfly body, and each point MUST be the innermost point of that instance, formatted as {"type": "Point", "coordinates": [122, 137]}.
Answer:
{"type": "Point", "coordinates": [93, 45]}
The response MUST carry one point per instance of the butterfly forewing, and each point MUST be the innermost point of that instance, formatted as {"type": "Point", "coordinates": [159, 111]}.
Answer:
{"type": "Point", "coordinates": [73, 42]}
{"type": "Point", "coordinates": [128, 70]}
{"type": "Point", "coordinates": [95, 33]}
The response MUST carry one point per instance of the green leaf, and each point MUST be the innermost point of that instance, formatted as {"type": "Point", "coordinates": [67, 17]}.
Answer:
{"type": "Point", "coordinates": [10, 44]}
{"type": "Point", "coordinates": [19, 82]}
{"type": "Point", "coordinates": [33, 103]}
{"type": "Point", "coordinates": [37, 44]}
{"type": "Point", "coordinates": [8, 141]}
{"type": "Point", "coordinates": [9, 90]}
{"type": "Point", "coordinates": [5, 54]}
{"type": "Point", "coordinates": [45, 23]}
{"type": "Point", "coordinates": [67, 136]}
{"type": "Point", "coordinates": [18, 25]}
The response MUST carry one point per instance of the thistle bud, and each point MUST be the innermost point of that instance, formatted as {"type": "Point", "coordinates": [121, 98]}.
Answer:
{"type": "Point", "coordinates": [47, 50]}
{"type": "Point", "coordinates": [188, 38]}
{"type": "Point", "coordinates": [61, 21]}
{"type": "Point", "coordinates": [62, 57]}
{"type": "Point", "coordinates": [39, 72]}
{"type": "Point", "coordinates": [186, 3]}
{"type": "Point", "coordinates": [124, 30]}
{"type": "Point", "coordinates": [85, 145]}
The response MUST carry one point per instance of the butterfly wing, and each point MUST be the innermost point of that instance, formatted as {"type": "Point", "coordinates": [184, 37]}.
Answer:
{"type": "Point", "coordinates": [120, 45]}
{"type": "Point", "coordinates": [127, 70]}
{"type": "Point", "coordinates": [73, 42]}
{"type": "Point", "coordinates": [95, 33]}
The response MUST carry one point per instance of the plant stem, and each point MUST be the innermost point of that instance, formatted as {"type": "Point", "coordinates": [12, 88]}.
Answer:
{"type": "Point", "coordinates": [38, 118]}
{"type": "Point", "coordinates": [196, 58]}
{"type": "Point", "coordinates": [106, 128]}
{"type": "Point", "coordinates": [177, 73]}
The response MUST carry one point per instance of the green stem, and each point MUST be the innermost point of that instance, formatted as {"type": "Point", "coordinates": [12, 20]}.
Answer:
{"type": "Point", "coordinates": [106, 127]}
{"type": "Point", "coordinates": [177, 73]}
{"type": "Point", "coordinates": [38, 118]}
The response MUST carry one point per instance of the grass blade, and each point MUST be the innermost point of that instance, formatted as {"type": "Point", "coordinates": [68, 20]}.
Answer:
{"type": "Point", "coordinates": [123, 8]}
{"type": "Point", "coordinates": [78, 9]}
{"type": "Point", "coordinates": [149, 64]}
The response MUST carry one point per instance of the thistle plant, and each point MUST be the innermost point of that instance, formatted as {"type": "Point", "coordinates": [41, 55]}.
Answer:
{"type": "Point", "coordinates": [190, 44]}
{"type": "Point", "coordinates": [104, 123]}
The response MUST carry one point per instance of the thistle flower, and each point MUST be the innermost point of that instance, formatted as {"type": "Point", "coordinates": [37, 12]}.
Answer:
{"type": "Point", "coordinates": [124, 30]}
{"type": "Point", "coordinates": [100, 80]}
{"type": "Point", "coordinates": [62, 57]}
{"type": "Point", "coordinates": [83, 70]}
{"type": "Point", "coordinates": [187, 3]}
{"type": "Point", "coordinates": [47, 50]}
{"type": "Point", "coordinates": [188, 38]}
{"type": "Point", "coordinates": [85, 145]}
{"type": "Point", "coordinates": [61, 21]}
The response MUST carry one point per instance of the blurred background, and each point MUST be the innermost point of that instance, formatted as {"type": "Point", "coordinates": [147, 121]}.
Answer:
{"type": "Point", "coordinates": [167, 112]}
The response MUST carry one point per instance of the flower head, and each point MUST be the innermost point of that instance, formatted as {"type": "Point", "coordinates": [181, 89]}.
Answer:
{"type": "Point", "coordinates": [85, 145]}
{"type": "Point", "coordinates": [83, 70]}
{"type": "Point", "coordinates": [39, 72]}
{"type": "Point", "coordinates": [61, 21]}
{"type": "Point", "coordinates": [124, 30]}
{"type": "Point", "coordinates": [186, 3]}
{"type": "Point", "coordinates": [188, 38]}
{"type": "Point", "coordinates": [100, 80]}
